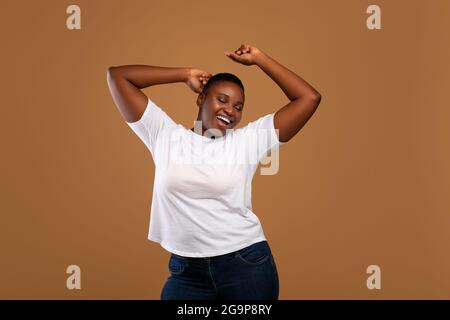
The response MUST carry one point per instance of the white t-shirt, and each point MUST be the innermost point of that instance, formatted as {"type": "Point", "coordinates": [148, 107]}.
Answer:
{"type": "Point", "coordinates": [201, 203]}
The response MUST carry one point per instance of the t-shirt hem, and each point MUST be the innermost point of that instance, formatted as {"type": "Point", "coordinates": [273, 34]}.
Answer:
{"type": "Point", "coordinates": [204, 255]}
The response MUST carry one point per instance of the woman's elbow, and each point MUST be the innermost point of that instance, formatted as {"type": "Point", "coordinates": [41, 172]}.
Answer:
{"type": "Point", "coordinates": [318, 97]}
{"type": "Point", "coordinates": [110, 70]}
{"type": "Point", "coordinates": [315, 96]}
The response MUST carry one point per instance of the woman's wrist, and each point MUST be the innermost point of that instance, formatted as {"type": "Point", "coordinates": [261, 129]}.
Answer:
{"type": "Point", "coordinates": [260, 57]}
{"type": "Point", "coordinates": [185, 73]}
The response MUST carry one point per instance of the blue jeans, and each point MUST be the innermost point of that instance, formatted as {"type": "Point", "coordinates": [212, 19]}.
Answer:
{"type": "Point", "coordinates": [249, 273]}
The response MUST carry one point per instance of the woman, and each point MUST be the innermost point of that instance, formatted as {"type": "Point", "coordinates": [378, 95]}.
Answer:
{"type": "Point", "coordinates": [201, 205]}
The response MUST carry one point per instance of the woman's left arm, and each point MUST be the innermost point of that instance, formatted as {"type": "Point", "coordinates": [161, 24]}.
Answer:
{"type": "Point", "coordinates": [304, 99]}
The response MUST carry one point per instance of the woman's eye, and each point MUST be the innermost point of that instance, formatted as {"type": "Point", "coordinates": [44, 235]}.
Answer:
{"type": "Point", "coordinates": [237, 108]}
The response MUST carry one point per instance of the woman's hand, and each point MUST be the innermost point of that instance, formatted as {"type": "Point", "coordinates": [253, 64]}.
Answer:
{"type": "Point", "coordinates": [197, 79]}
{"type": "Point", "coordinates": [245, 54]}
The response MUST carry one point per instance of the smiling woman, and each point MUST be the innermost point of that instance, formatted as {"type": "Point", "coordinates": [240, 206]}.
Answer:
{"type": "Point", "coordinates": [220, 103]}
{"type": "Point", "coordinates": [201, 205]}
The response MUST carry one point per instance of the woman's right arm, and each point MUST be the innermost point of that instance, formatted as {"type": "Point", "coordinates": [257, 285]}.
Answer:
{"type": "Point", "coordinates": [125, 82]}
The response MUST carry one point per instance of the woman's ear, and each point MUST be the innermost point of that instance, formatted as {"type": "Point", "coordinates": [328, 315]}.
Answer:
{"type": "Point", "coordinates": [200, 99]}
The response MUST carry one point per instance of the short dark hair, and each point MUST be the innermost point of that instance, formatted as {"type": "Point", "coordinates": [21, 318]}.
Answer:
{"type": "Point", "coordinates": [222, 76]}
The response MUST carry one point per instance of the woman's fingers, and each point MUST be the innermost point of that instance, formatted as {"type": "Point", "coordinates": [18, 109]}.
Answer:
{"type": "Point", "coordinates": [204, 77]}
{"type": "Point", "coordinates": [241, 50]}
{"type": "Point", "coordinates": [244, 54]}
{"type": "Point", "coordinates": [235, 56]}
{"type": "Point", "coordinates": [232, 55]}
{"type": "Point", "coordinates": [244, 48]}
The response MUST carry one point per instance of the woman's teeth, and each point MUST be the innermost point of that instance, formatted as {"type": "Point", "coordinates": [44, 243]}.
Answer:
{"type": "Point", "coordinates": [223, 119]}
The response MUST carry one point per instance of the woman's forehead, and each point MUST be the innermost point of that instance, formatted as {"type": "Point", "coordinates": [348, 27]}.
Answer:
{"type": "Point", "coordinates": [229, 89]}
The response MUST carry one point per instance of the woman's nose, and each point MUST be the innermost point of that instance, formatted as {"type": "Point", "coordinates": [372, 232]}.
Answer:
{"type": "Point", "coordinates": [229, 109]}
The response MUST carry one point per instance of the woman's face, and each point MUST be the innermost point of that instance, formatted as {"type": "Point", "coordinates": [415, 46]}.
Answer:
{"type": "Point", "coordinates": [223, 99]}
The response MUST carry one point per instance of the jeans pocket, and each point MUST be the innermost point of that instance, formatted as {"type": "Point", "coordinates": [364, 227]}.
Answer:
{"type": "Point", "coordinates": [254, 254]}
{"type": "Point", "coordinates": [176, 265]}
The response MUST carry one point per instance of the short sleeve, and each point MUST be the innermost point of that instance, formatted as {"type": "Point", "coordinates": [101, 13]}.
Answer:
{"type": "Point", "coordinates": [152, 124]}
{"type": "Point", "coordinates": [261, 136]}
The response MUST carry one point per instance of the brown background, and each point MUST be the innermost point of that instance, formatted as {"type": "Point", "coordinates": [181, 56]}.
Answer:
{"type": "Point", "coordinates": [364, 182]}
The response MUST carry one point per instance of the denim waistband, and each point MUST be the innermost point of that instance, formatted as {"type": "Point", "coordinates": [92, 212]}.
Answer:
{"type": "Point", "coordinates": [226, 255]}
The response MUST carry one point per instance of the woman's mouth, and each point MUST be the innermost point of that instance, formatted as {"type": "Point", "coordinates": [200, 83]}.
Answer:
{"type": "Point", "coordinates": [222, 122]}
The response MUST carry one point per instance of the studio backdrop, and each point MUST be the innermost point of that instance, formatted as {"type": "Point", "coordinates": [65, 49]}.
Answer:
{"type": "Point", "coordinates": [358, 208]}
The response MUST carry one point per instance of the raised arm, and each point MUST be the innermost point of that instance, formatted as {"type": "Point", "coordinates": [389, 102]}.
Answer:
{"type": "Point", "coordinates": [304, 99]}
{"type": "Point", "coordinates": [125, 82]}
